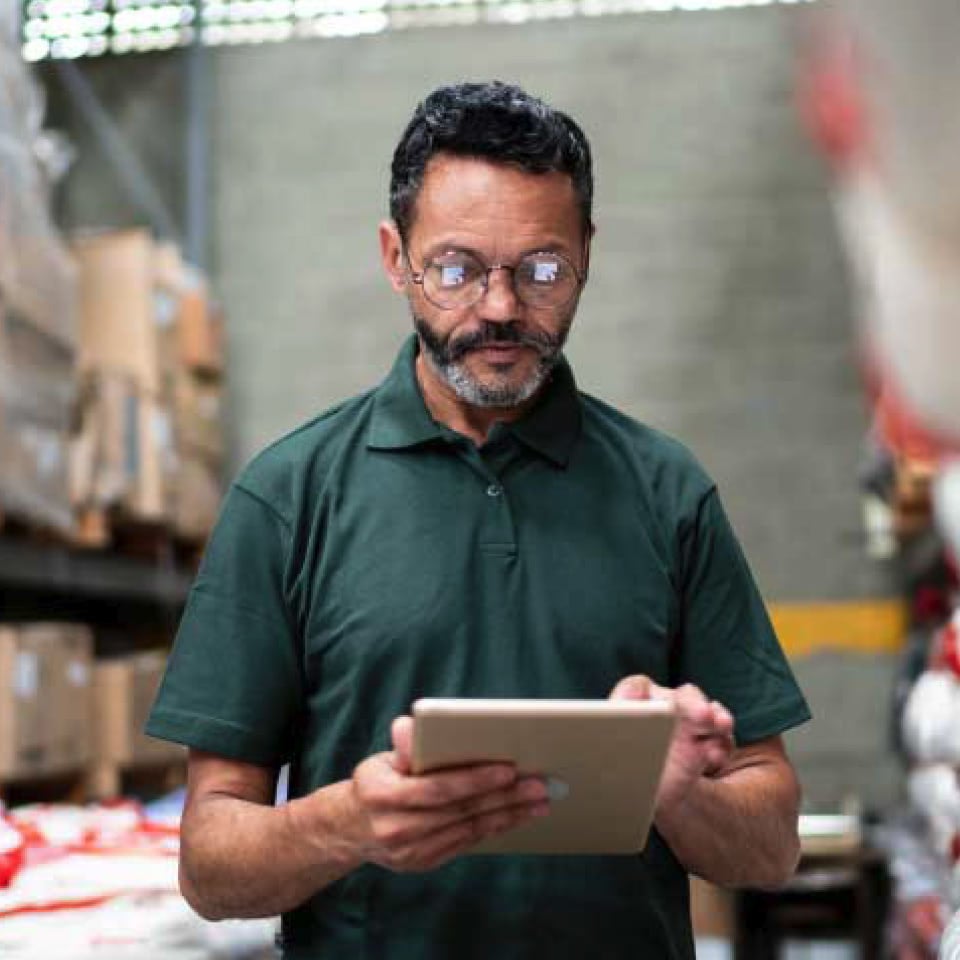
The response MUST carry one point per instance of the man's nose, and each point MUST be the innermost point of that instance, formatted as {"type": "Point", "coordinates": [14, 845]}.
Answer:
{"type": "Point", "coordinates": [500, 302]}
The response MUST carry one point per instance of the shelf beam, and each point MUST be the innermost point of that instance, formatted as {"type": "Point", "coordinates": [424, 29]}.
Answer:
{"type": "Point", "coordinates": [59, 570]}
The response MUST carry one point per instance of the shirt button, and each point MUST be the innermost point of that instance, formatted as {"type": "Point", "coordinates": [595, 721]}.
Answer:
{"type": "Point", "coordinates": [494, 490]}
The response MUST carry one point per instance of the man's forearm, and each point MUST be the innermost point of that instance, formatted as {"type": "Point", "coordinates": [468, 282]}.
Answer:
{"type": "Point", "coordinates": [245, 859]}
{"type": "Point", "coordinates": [739, 828]}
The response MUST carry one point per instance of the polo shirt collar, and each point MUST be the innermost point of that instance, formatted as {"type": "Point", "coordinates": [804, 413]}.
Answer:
{"type": "Point", "coordinates": [401, 420]}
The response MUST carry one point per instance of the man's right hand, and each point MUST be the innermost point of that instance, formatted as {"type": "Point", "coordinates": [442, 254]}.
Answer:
{"type": "Point", "coordinates": [410, 823]}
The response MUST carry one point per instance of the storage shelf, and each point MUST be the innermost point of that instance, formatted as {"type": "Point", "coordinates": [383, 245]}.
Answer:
{"type": "Point", "coordinates": [52, 568]}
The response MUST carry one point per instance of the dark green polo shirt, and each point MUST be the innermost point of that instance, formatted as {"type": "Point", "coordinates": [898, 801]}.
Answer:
{"type": "Point", "coordinates": [374, 556]}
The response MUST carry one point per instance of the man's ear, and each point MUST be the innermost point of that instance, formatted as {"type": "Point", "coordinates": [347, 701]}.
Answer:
{"type": "Point", "coordinates": [391, 255]}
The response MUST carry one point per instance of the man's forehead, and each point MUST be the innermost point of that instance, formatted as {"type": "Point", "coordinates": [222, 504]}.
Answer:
{"type": "Point", "coordinates": [471, 193]}
{"type": "Point", "coordinates": [451, 169]}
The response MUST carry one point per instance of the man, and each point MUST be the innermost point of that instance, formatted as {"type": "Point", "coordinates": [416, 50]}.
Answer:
{"type": "Point", "coordinates": [472, 527]}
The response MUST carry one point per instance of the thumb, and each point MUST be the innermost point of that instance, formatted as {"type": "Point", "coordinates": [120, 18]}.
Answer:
{"type": "Point", "coordinates": [401, 731]}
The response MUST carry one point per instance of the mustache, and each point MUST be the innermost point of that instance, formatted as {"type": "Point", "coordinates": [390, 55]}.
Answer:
{"type": "Point", "coordinates": [487, 333]}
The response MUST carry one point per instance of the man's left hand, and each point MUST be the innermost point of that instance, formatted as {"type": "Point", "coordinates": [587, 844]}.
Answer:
{"type": "Point", "coordinates": [702, 741]}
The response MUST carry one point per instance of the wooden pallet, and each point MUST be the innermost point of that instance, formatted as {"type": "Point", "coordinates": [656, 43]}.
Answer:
{"type": "Point", "coordinates": [105, 780]}
{"type": "Point", "coordinates": [63, 786]}
{"type": "Point", "coordinates": [97, 781]}
{"type": "Point", "coordinates": [98, 529]}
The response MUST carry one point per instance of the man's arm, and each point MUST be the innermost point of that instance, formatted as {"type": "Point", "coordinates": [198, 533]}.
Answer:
{"type": "Point", "coordinates": [729, 815]}
{"type": "Point", "coordinates": [738, 828]}
{"type": "Point", "coordinates": [241, 856]}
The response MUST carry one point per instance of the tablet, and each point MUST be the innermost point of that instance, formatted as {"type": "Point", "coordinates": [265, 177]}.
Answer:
{"type": "Point", "coordinates": [602, 759]}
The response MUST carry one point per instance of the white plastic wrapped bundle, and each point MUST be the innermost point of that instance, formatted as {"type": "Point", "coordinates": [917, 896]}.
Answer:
{"type": "Point", "coordinates": [37, 276]}
{"type": "Point", "coordinates": [101, 884]}
{"type": "Point", "coordinates": [935, 793]}
{"type": "Point", "coordinates": [901, 194]}
{"type": "Point", "coordinates": [931, 718]}
{"type": "Point", "coordinates": [950, 945]}
{"type": "Point", "coordinates": [946, 501]}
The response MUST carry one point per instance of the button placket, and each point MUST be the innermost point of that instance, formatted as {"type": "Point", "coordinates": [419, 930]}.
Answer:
{"type": "Point", "coordinates": [500, 540]}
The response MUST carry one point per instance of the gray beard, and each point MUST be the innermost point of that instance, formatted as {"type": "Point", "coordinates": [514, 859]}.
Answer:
{"type": "Point", "coordinates": [446, 360]}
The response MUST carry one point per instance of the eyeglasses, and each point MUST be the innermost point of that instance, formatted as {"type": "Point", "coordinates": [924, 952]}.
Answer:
{"type": "Point", "coordinates": [457, 279]}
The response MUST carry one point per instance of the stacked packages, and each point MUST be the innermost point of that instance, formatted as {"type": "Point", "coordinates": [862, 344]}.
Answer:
{"type": "Point", "coordinates": [151, 439]}
{"type": "Point", "coordinates": [100, 883]}
{"type": "Point", "coordinates": [62, 711]}
{"type": "Point", "coordinates": [37, 313]}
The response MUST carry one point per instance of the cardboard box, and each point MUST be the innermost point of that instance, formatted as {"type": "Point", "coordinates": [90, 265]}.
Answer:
{"type": "Point", "coordinates": [197, 498]}
{"type": "Point", "coordinates": [45, 705]}
{"type": "Point", "coordinates": [198, 416]}
{"type": "Point", "coordinates": [124, 690]}
{"type": "Point", "coordinates": [200, 332]}
{"type": "Point", "coordinates": [34, 482]}
{"type": "Point", "coordinates": [128, 308]}
{"type": "Point", "coordinates": [124, 454]}
{"type": "Point", "coordinates": [157, 461]}
{"type": "Point", "coordinates": [37, 393]}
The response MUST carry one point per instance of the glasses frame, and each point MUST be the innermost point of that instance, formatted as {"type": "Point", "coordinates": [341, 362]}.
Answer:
{"type": "Point", "coordinates": [418, 278]}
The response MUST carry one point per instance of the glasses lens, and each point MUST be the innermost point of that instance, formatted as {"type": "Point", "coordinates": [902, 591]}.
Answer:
{"type": "Point", "coordinates": [545, 280]}
{"type": "Point", "coordinates": [453, 280]}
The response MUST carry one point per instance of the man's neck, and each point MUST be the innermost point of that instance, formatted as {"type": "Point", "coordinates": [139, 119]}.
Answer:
{"type": "Point", "coordinates": [464, 418]}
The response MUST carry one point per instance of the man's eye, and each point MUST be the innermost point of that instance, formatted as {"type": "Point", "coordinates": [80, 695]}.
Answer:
{"type": "Point", "coordinates": [541, 271]}
{"type": "Point", "coordinates": [545, 272]}
{"type": "Point", "coordinates": [456, 273]}
{"type": "Point", "coordinates": [452, 275]}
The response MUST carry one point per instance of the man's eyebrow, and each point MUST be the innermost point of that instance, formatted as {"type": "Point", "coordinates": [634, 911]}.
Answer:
{"type": "Point", "coordinates": [439, 249]}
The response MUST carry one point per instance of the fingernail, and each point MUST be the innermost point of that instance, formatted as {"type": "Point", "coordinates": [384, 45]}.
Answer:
{"type": "Point", "coordinates": [540, 810]}
{"type": "Point", "coordinates": [533, 790]}
{"type": "Point", "coordinates": [505, 776]}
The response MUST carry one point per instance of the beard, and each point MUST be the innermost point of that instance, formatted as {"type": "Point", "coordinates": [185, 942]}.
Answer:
{"type": "Point", "coordinates": [446, 356]}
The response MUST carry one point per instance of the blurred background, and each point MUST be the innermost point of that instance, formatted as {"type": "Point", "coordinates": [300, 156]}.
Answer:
{"type": "Point", "coordinates": [189, 194]}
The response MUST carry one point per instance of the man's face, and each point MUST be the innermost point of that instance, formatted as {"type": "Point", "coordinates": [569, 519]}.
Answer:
{"type": "Point", "coordinates": [497, 351]}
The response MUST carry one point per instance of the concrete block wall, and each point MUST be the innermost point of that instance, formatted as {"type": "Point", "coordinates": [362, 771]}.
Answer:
{"type": "Point", "coordinates": [717, 308]}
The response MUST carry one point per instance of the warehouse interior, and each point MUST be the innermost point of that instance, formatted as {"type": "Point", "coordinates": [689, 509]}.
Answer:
{"type": "Point", "coordinates": [229, 187]}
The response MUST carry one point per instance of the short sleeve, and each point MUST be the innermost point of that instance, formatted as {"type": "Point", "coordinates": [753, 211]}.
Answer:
{"type": "Point", "coordinates": [232, 685]}
{"type": "Point", "coordinates": [728, 647]}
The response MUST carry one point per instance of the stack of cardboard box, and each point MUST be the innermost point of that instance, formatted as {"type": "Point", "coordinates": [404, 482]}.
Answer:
{"type": "Point", "coordinates": [45, 699]}
{"type": "Point", "coordinates": [37, 316]}
{"type": "Point", "coordinates": [150, 440]}
{"type": "Point", "coordinates": [62, 712]}
{"type": "Point", "coordinates": [124, 690]}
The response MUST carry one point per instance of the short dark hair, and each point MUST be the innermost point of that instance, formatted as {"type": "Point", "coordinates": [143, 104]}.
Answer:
{"type": "Point", "coordinates": [490, 121]}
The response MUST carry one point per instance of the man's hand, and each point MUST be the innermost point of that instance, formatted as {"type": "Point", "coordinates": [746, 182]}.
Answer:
{"type": "Point", "coordinates": [729, 814]}
{"type": "Point", "coordinates": [702, 742]}
{"type": "Point", "coordinates": [414, 823]}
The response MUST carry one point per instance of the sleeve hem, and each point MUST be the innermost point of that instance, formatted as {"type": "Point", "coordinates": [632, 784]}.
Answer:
{"type": "Point", "coordinates": [772, 721]}
{"type": "Point", "coordinates": [213, 735]}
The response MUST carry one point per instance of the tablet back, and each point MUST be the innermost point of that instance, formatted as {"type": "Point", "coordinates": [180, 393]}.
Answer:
{"type": "Point", "coordinates": [606, 756]}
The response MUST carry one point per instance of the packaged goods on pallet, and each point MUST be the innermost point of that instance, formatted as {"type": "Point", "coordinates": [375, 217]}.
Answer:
{"type": "Point", "coordinates": [124, 689]}
{"type": "Point", "coordinates": [37, 313]}
{"type": "Point", "coordinates": [123, 456]}
{"type": "Point", "coordinates": [198, 416]}
{"type": "Point", "coordinates": [37, 276]}
{"type": "Point", "coordinates": [100, 883]}
{"type": "Point", "coordinates": [128, 312]}
{"type": "Point", "coordinates": [151, 353]}
{"type": "Point", "coordinates": [45, 707]}
{"type": "Point", "coordinates": [37, 394]}
{"type": "Point", "coordinates": [197, 492]}
{"type": "Point", "coordinates": [144, 313]}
